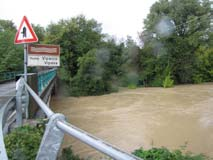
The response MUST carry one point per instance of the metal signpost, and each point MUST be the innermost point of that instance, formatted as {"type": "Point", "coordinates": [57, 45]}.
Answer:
{"type": "Point", "coordinates": [25, 35]}
{"type": "Point", "coordinates": [25, 62]}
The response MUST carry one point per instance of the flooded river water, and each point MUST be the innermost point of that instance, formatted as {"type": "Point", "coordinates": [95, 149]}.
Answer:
{"type": "Point", "coordinates": [144, 117]}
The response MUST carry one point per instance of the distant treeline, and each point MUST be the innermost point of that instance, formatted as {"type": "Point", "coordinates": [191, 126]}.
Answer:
{"type": "Point", "coordinates": [177, 48]}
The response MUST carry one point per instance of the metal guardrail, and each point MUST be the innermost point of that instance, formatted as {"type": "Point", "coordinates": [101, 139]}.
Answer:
{"type": "Point", "coordinates": [44, 78]}
{"type": "Point", "coordinates": [10, 113]}
{"type": "Point", "coordinates": [7, 117]}
{"type": "Point", "coordinates": [54, 134]}
{"type": "Point", "coordinates": [7, 76]}
{"type": "Point", "coordinates": [55, 129]}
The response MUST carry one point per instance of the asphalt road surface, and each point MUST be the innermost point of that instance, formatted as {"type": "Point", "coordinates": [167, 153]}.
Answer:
{"type": "Point", "coordinates": [7, 90]}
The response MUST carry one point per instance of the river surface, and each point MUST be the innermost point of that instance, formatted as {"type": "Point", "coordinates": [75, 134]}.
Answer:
{"type": "Point", "coordinates": [144, 117]}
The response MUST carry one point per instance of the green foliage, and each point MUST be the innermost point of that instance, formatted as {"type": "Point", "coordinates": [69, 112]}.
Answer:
{"type": "Point", "coordinates": [89, 79]}
{"type": "Point", "coordinates": [7, 25]}
{"type": "Point", "coordinates": [153, 68]}
{"type": "Point", "coordinates": [89, 65]}
{"type": "Point", "coordinates": [168, 82]}
{"type": "Point", "coordinates": [174, 32]}
{"type": "Point", "coordinates": [132, 86]}
{"type": "Point", "coordinates": [67, 154]}
{"type": "Point", "coordinates": [130, 79]}
{"type": "Point", "coordinates": [157, 82]}
{"type": "Point", "coordinates": [130, 64]}
{"type": "Point", "coordinates": [113, 52]}
{"type": "Point", "coordinates": [11, 56]}
{"type": "Point", "coordinates": [76, 36]}
{"type": "Point", "coordinates": [40, 32]}
{"type": "Point", "coordinates": [146, 65]}
{"type": "Point", "coordinates": [165, 154]}
{"type": "Point", "coordinates": [203, 65]}
{"type": "Point", "coordinates": [23, 142]}
{"type": "Point", "coordinates": [198, 78]}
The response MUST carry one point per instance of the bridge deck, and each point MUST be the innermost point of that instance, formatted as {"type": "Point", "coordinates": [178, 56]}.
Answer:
{"type": "Point", "coordinates": [7, 90]}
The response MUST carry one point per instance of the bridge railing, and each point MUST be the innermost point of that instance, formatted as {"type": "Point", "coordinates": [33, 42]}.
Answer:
{"type": "Point", "coordinates": [7, 76]}
{"type": "Point", "coordinates": [44, 78]}
{"type": "Point", "coordinates": [7, 117]}
{"type": "Point", "coordinates": [56, 127]}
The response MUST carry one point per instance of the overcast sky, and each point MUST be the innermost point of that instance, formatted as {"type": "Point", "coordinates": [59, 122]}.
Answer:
{"type": "Point", "coordinates": [118, 17]}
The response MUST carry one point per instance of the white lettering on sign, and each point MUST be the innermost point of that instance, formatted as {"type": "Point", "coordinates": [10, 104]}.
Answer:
{"type": "Point", "coordinates": [43, 60]}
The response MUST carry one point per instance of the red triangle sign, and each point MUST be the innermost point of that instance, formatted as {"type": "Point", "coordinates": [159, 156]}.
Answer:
{"type": "Point", "coordinates": [25, 33]}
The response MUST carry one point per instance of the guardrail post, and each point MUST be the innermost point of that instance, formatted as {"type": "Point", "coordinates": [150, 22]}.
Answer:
{"type": "Point", "coordinates": [51, 140]}
{"type": "Point", "coordinates": [22, 102]}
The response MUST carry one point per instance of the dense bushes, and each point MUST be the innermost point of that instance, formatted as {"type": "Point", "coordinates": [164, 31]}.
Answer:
{"type": "Point", "coordinates": [89, 79]}
{"type": "Point", "coordinates": [165, 154]}
{"type": "Point", "coordinates": [23, 142]}
{"type": "Point", "coordinates": [67, 154]}
{"type": "Point", "coordinates": [151, 154]}
{"type": "Point", "coordinates": [203, 65]}
{"type": "Point", "coordinates": [168, 82]}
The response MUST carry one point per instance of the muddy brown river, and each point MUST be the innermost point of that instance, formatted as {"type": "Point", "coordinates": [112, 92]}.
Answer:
{"type": "Point", "coordinates": [144, 117]}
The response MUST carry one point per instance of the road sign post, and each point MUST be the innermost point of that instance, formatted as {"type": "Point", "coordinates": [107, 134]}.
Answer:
{"type": "Point", "coordinates": [25, 35]}
{"type": "Point", "coordinates": [25, 62]}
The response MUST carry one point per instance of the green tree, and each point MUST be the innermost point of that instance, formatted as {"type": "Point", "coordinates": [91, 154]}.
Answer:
{"type": "Point", "coordinates": [130, 63]}
{"type": "Point", "coordinates": [90, 61]}
{"type": "Point", "coordinates": [99, 70]}
{"type": "Point", "coordinates": [11, 56]}
{"type": "Point", "coordinates": [112, 59]}
{"type": "Point", "coordinates": [40, 32]}
{"type": "Point", "coordinates": [89, 78]}
{"type": "Point", "coordinates": [203, 65]}
{"type": "Point", "coordinates": [174, 30]}
{"type": "Point", "coordinates": [76, 36]}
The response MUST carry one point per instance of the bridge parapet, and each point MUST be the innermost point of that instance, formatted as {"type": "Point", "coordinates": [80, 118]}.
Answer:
{"type": "Point", "coordinates": [42, 84]}
{"type": "Point", "coordinates": [7, 117]}
{"type": "Point", "coordinates": [8, 76]}
{"type": "Point", "coordinates": [44, 78]}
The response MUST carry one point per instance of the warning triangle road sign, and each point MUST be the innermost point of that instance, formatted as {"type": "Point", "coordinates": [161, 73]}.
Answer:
{"type": "Point", "coordinates": [25, 33]}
